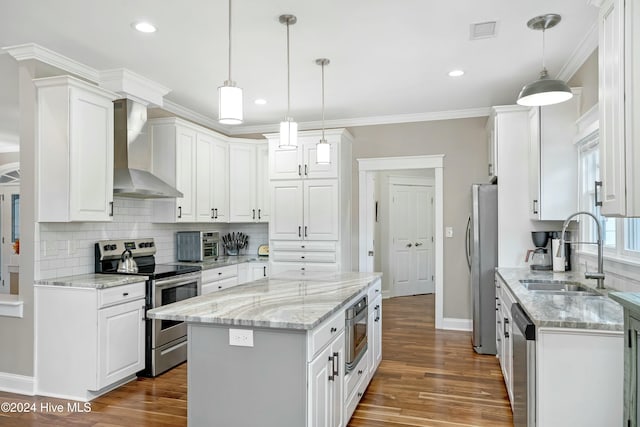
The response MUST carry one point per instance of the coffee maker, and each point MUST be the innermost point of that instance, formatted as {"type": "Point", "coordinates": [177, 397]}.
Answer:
{"type": "Point", "coordinates": [539, 258]}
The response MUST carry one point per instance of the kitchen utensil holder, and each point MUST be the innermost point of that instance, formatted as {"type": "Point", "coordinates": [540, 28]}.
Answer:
{"type": "Point", "coordinates": [232, 247]}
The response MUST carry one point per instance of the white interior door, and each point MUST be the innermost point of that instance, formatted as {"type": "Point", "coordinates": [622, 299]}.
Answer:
{"type": "Point", "coordinates": [412, 239]}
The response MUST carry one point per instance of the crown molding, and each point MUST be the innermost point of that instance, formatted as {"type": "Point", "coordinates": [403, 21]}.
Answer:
{"type": "Point", "coordinates": [194, 116]}
{"type": "Point", "coordinates": [34, 51]}
{"type": "Point", "coordinates": [369, 121]}
{"type": "Point", "coordinates": [583, 50]}
{"type": "Point", "coordinates": [134, 86]}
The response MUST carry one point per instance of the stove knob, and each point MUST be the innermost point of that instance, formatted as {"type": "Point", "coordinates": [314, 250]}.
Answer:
{"type": "Point", "coordinates": [141, 245]}
{"type": "Point", "coordinates": [112, 247]}
{"type": "Point", "coordinates": [151, 244]}
{"type": "Point", "coordinates": [106, 247]}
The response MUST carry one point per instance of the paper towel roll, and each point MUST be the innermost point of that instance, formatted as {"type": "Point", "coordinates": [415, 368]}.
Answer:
{"type": "Point", "coordinates": [558, 261]}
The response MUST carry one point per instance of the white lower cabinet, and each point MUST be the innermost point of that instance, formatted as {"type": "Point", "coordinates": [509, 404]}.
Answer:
{"type": "Point", "coordinates": [88, 340]}
{"type": "Point", "coordinates": [326, 386]}
{"type": "Point", "coordinates": [504, 345]}
{"type": "Point", "coordinates": [250, 271]}
{"type": "Point", "coordinates": [217, 279]}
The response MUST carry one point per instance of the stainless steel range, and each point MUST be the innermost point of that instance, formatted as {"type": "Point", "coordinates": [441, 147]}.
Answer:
{"type": "Point", "coordinates": [166, 340]}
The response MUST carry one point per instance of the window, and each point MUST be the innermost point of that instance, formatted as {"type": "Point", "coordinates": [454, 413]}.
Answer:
{"type": "Point", "coordinates": [621, 236]}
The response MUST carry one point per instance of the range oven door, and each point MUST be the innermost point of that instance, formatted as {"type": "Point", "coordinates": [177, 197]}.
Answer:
{"type": "Point", "coordinates": [168, 291]}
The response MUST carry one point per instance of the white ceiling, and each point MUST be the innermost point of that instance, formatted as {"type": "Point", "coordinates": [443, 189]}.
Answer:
{"type": "Point", "coordinates": [389, 58]}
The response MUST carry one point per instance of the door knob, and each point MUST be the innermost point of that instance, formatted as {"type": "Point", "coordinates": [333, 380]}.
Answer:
{"type": "Point", "coordinates": [409, 245]}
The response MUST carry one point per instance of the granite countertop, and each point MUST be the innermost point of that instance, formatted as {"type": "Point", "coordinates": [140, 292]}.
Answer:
{"type": "Point", "coordinates": [287, 301]}
{"type": "Point", "coordinates": [92, 280]}
{"type": "Point", "coordinates": [564, 311]}
{"type": "Point", "coordinates": [629, 300]}
{"type": "Point", "coordinates": [223, 261]}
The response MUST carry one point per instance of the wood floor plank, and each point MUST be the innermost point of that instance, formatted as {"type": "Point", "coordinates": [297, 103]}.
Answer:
{"type": "Point", "coordinates": [427, 378]}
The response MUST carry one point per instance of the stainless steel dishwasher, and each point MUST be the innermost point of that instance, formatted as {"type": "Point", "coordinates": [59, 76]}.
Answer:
{"type": "Point", "coordinates": [524, 368]}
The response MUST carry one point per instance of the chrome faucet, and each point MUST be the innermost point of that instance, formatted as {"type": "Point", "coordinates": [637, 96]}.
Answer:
{"type": "Point", "coordinates": [599, 275]}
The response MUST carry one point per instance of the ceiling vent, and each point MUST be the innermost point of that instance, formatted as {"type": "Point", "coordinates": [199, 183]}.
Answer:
{"type": "Point", "coordinates": [483, 30]}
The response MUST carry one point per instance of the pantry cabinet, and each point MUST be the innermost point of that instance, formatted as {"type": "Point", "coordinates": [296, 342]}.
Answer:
{"type": "Point", "coordinates": [553, 160]}
{"type": "Point", "coordinates": [310, 203]}
{"type": "Point", "coordinates": [74, 144]}
{"type": "Point", "coordinates": [249, 198]}
{"type": "Point", "coordinates": [619, 104]}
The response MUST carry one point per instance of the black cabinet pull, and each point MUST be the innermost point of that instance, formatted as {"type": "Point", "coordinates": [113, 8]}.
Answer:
{"type": "Point", "coordinates": [125, 294]}
{"type": "Point", "coordinates": [299, 170]}
{"type": "Point", "coordinates": [264, 271]}
{"type": "Point", "coordinates": [179, 211]}
{"type": "Point", "coordinates": [305, 231]}
{"type": "Point", "coordinates": [254, 213]}
{"type": "Point", "coordinates": [259, 214]}
{"type": "Point", "coordinates": [306, 171]}
{"type": "Point", "coordinates": [535, 206]}
{"type": "Point", "coordinates": [110, 208]}
{"type": "Point", "coordinates": [299, 231]}
{"type": "Point", "coordinates": [597, 200]}
{"type": "Point", "coordinates": [213, 215]}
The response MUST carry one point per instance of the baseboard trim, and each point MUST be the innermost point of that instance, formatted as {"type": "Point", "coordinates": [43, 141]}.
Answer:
{"type": "Point", "coordinates": [454, 324]}
{"type": "Point", "coordinates": [19, 384]}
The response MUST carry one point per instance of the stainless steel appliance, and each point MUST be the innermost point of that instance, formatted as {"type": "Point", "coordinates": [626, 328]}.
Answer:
{"type": "Point", "coordinates": [482, 259]}
{"type": "Point", "coordinates": [524, 368]}
{"type": "Point", "coordinates": [355, 333]}
{"type": "Point", "coordinates": [197, 246]}
{"type": "Point", "coordinates": [165, 340]}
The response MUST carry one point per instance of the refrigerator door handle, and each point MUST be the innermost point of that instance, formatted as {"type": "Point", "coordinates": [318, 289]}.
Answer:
{"type": "Point", "coordinates": [467, 242]}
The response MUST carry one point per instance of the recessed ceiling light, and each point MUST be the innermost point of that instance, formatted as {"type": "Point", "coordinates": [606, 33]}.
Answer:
{"type": "Point", "coordinates": [260, 101]}
{"type": "Point", "coordinates": [456, 73]}
{"type": "Point", "coordinates": [144, 27]}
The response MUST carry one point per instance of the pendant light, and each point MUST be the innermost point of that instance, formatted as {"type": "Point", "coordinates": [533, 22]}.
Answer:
{"type": "Point", "coordinates": [323, 148]}
{"type": "Point", "coordinates": [288, 128]}
{"type": "Point", "coordinates": [229, 95]}
{"type": "Point", "coordinates": [544, 91]}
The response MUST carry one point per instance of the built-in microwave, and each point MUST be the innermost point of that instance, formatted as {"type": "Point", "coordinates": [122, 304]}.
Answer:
{"type": "Point", "coordinates": [197, 246]}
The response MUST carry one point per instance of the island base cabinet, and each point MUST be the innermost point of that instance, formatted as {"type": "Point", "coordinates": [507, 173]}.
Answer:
{"type": "Point", "coordinates": [235, 386]}
{"type": "Point", "coordinates": [579, 377]}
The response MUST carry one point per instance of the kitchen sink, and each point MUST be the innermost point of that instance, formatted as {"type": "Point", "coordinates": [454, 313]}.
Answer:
{"type": "Point", "coordinates": [564, 287]}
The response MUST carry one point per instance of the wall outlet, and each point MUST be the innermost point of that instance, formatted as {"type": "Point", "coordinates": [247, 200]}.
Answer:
{"type": "Point", "coordinates": [241, 337]}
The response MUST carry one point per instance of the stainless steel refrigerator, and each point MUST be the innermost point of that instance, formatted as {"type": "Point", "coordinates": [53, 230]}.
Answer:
{"type": "Point", "coordinates": [482, 258]}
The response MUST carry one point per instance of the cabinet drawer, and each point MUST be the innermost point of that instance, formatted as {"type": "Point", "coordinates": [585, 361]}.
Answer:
{"type": "Point", "coordinates": [220, 273]}
{"type": "Point", "coordinates": [304, 256]}
{"type": "Point", "coordinates": [359, 373]}
{"type": "Point", "coordinates": [306, 246]}
{"type": "Point", "coordinates": [354, 399]}
{"type": "Point", "coordinates": [120, 294]}
{"type": "Point", "coordinates": [374, 290]}
{"type": "Point", "coordinates": [323, 334]}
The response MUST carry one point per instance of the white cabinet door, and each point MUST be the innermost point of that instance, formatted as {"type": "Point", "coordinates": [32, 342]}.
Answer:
{"type": "Point", "coordinates": [121, 335]}
{"type": "Point", "coordinates": [320, 210]}
{"type": "Point", "coordinates": [74, 145]}
{"type": "Point", "coordinates": [263, 194]}
{"type": "Point", "coordinates": [220, 185]}
{"type": "Point", "coordinates": [534, 163]}
{"type": "Point", "coordinates": [284, 163]}
{"type": "Point", "coordinates": [286, 206]}
{"type": "Point", "coordinates": [376, 336]}
{"type": "Point", "coordinates": [242, 179]}
{"type": "Point", "coordinates": [311, 168]}
{"type": "Point", "coordinates": [186, 174]}
{"type": "Point", "coordinates": [258, 270]}
{"type": "Point", "coordinates": [611, 63]}
{"type": "Point", "coordinates": [326, 386]}
{"type": "Point", "coordinates": [204, 178]}
{"type": "Point", "coordinates": [248, 183]}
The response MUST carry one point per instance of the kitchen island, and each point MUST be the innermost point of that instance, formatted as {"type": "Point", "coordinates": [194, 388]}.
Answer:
{"type": "Point", "coordinates": [272, 352]}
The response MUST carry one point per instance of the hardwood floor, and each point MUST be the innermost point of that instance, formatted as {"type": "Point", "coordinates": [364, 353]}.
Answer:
{"type": "Point", "coordinates": [426, 378]}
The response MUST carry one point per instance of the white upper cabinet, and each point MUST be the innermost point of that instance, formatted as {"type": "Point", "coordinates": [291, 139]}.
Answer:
{"type": "Point", "coordinates": [74, 151]}
{"type": "Point", "coordinates": [553, 160]}
{"type": "Point", "coordinates": [619, 104]}
{"type": "Point", "coordinates": [301, 163]}
{"type": "Point", "coordinates": [248, 182]}
{"type": "Point", "coordinates": [174, 148]}
{"type": "Point", "coordinates": [196, 161]}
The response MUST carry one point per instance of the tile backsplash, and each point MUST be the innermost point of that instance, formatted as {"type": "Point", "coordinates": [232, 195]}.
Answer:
{"type": "Point", "coordinates": [65, 249]}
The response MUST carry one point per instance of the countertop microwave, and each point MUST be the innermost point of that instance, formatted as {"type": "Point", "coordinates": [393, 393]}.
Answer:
{"type": "Point", "coordinates": [197, 246]}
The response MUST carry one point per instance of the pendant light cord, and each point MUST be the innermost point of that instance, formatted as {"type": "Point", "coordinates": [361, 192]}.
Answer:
{"type": "Point", "coordinates": [229, 40]}
{"type": "Point", "coordinates": [323, 101]}
{"type": "Point", "coordinates": [288, 77]}
{"type": "Point", "coordinates": [543, 63]}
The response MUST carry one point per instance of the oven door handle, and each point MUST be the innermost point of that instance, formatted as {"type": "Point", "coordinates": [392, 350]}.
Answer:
{"type": "Point", "coordinates": [183, 278]}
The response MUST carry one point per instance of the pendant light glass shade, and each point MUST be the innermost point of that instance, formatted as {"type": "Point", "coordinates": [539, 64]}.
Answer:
{"type": "Point", "coordinates": [288, 134]}
{"type": "Point", "coordinates": [323, 148]}
{"type": "Point", "coordinates": [229, 95]}
{"type": "Point", "coordinates": [544, 91]}
{"type": "Point", "coordinates": [229, 104]}
{"type": "Point", "coordinates": [288, 128]}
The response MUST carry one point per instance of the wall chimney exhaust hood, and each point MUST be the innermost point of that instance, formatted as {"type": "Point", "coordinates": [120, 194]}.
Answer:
{"type": "Point", "coordinates": [129, 119]}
